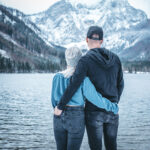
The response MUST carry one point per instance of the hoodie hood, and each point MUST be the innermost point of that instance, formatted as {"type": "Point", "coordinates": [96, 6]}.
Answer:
{"type": "Point", "coordinates": [102, 56]}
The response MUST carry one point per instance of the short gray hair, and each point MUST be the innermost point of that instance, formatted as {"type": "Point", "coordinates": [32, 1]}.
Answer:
{"type": "Point", "coordinates": [72, 55]}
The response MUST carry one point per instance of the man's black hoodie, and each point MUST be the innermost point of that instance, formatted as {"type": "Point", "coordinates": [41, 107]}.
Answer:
{"type": "Point", "coordinates": [105, 72]}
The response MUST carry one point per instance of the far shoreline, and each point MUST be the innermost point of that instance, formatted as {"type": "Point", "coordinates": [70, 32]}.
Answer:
{"type": "Point", "coordinates": [125, 72]}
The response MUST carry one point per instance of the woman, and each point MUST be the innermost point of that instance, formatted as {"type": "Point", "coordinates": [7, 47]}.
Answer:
{"type": "Point", "coordinates": [69, 127]}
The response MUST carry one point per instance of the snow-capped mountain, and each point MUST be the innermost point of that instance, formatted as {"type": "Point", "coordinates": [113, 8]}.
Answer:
{"type": "Point", "coordinates": [67, 21]}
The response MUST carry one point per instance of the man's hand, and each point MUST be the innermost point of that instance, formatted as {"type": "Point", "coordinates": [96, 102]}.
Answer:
{"type": "Point", "coordinates": [57, 111]}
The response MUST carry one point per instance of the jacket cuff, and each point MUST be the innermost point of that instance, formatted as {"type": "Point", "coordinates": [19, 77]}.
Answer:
{"type": "Point", "coordinates": [61, 107]}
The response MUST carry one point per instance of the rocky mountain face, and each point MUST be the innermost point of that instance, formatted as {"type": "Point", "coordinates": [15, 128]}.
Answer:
{"type": "Point", "coordinates": [126, 29]}
{"type": "Point", "coordinates": [23, 47]}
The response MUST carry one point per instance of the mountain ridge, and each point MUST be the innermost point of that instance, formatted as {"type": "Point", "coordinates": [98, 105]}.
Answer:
{"type": "Point", "coordinates": [66, 22]}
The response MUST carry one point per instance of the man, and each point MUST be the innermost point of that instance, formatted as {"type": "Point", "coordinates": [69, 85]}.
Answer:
{"type": "Point", "coordinates": [105, 71]}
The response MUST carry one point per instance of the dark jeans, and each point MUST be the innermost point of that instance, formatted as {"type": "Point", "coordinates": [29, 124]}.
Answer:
{"type": "Point", "coordinates": [99, 123]}
{"type": "Point", "coordinates": [69, 128]}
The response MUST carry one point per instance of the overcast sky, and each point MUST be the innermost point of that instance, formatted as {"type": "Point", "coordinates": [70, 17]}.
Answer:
{"type": "Point", "coordinates": [35, 6]}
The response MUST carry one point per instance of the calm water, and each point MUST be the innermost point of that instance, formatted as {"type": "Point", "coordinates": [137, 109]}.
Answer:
{"type": "Point", "coordinates": [26, 113]}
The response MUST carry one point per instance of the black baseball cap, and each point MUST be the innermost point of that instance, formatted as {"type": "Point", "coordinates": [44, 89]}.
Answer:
{"type": "Point", "coordinates": [95, 30]}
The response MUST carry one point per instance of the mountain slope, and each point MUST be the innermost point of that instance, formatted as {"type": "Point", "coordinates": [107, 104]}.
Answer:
{"type": "Point", "coordinates": [21, 41]}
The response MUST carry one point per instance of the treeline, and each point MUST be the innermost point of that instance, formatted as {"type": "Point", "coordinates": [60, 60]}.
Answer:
{"type": "Point", "coordinates": [136, 66]}
{"type": "Point", "coordinates": [10, 66]}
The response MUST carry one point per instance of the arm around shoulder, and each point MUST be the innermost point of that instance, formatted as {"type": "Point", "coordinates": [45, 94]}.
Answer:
{"type": "Point", "coordinates": [91, 95]}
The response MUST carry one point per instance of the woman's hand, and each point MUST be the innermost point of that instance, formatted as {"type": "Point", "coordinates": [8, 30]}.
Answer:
{"type": "Point", "coordinates": [57, 111]}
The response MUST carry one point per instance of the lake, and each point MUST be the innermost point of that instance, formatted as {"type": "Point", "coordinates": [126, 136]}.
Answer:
{"type": "Point", "coordinates": [26, 113]}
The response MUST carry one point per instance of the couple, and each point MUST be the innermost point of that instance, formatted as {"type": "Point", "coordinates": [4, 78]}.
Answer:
{"type": "Point", "coordinates": [87, 94]}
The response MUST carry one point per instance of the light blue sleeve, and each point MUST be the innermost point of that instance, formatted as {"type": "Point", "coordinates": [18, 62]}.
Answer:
{"type": "Point", "coordinates": [53, 91]}
{"type": "Point", "coordinates": [90, 93]}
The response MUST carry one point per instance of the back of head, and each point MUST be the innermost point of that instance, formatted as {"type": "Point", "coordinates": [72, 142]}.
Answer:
{"type": "Point", "coordinates": [94, 37]}
{"type": "Point", "coordinates": [95, 30]}
{"type": "Point", "coordinates": [72, 55]}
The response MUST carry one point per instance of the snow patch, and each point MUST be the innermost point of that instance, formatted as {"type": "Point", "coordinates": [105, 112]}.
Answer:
{"type": "Point", "coordinates": [33, 18]}
{"type": "Point", "coordinates": [142, 55]}
{"type": "Point", "coordinates": [81, 45]}
{"type": "Point", "coordinates": [7, 19]}
{"type": "Point", "coordinates": [8, 38]}
{"type": "Point", "coordinates": [14, 13]}
{"type": "Point", "coordinates": [4, 53]}
{"type": "Point", "coordinates": [88, 3]}
{"type": "Point", "coordinates": [1, 12]}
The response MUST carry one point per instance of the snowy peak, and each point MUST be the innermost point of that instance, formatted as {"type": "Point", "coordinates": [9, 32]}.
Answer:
{"type": "Point", "coordinates": [66, 23]}
{"type": "Point", "coordinates": [68, 20]}
{"type": "Point", "coordinates": [59, 8]}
